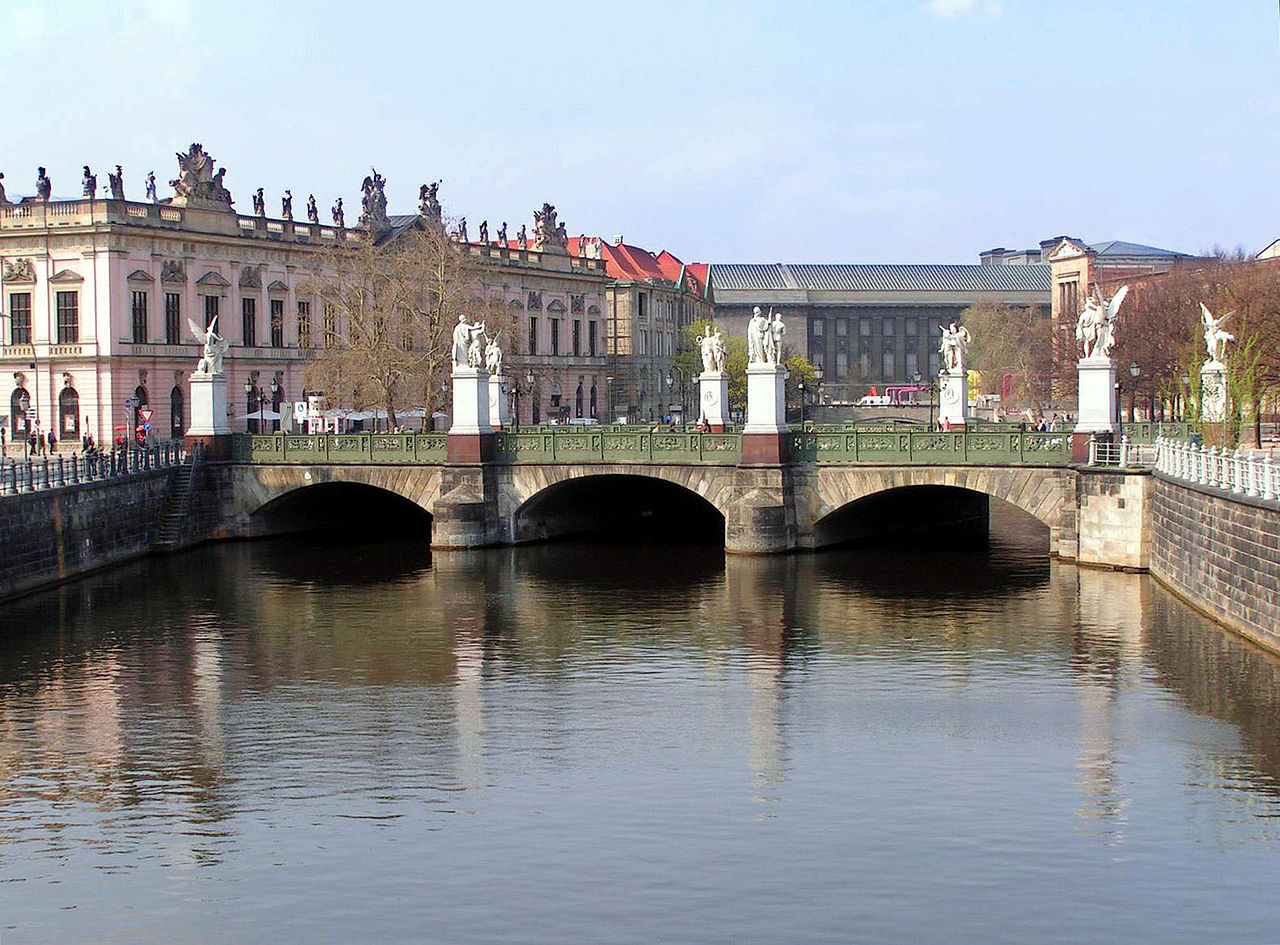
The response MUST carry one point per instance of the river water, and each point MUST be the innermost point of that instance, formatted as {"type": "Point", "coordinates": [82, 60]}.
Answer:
{"type": "Point", "coordinates": [314, 742]}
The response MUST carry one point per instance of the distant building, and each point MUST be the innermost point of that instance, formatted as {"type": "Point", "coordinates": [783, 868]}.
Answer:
{"type": "Point", "coordinates": [1076, 266]}
{"type": "Point", "coordinates": [648, 300]}
{"type": "Point", "coordinates": [873, 324]}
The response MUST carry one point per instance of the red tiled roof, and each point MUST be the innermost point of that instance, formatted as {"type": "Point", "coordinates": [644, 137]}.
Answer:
{"type": "Point", "coordinates": [635, 264]}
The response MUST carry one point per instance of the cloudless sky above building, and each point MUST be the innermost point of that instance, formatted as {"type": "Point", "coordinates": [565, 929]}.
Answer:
{"type": "Point", "coordinates": [815, 130]}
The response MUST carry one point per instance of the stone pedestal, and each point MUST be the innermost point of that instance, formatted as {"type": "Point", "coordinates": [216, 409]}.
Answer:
{"type": "Point", "coordinates": [764, 437]}
{"type": "Point", "coordinates": [499, 401]}
{"type": "Point", "coordinates": [209, 424]}
{"type": "Point", "coordinates": [953, 399]}
{"type": "Point", "coordinates": [470, 437]}
{"type": "Point", "coordinates": [1097, 399]}
{"type": "Point", "coordinates": [713, 399]}
{"type": "Point", "coordinates": [1213, 392]}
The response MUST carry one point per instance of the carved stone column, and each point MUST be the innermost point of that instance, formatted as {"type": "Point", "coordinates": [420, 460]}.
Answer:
{"type": "Point", "coordinates": [713, 399]}
{"type": "Point", "coordinates": [953, 399]}
{"type": "Point", "coordinates": [471, 434]}
{"type": "Point", "coordinates": [209, 415]}
{"type": "Point", "coordinates": [764, 437]}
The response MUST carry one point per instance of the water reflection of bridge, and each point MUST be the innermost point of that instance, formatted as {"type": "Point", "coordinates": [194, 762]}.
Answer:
{"type": "Point", "coordinates": [449, 625]}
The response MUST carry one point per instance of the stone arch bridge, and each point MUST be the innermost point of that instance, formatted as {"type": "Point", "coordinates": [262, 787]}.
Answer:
{"type": "Point", "coordinates": [765, 508]}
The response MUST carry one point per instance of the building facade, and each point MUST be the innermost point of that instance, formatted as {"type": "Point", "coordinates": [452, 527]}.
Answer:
{"type": "Point", "coordinates": [96, 294]}
{"type": "Point", "coordinates": [872, 325]}
{"type": "Point", "coordinates": [649, 300]}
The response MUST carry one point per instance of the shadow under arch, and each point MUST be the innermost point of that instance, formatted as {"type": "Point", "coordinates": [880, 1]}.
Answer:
{"type": "Point", "coordinates": [930, 516]}
{"type": "Point", "coordinates": [353, 510]}
{"type": "Point", "coordinates": [618, 507]}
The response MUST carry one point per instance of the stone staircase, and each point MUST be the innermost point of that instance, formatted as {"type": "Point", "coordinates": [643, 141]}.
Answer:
{"type": "Point", "coordinates": [174, 517]}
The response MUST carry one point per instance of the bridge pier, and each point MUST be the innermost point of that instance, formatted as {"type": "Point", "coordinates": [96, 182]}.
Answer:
{"type": "Point", "coordinates": [760, 515]}
{"type": "Point", "coordinates": [465, 515]}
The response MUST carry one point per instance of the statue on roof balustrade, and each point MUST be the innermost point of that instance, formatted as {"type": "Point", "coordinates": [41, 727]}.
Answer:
{"type": "Point", "coordinates": [196, 184]}
{"type": "Point", "coordinates": [313, 212]}
{"type": "Point", "coordinates": [116, 183]}
{"type": "Point", "coordinates": [373, 205]}
{"type": "Point", "coordinates": [89, 182]}
{"type": "Point", "coordinates": [429, 203]}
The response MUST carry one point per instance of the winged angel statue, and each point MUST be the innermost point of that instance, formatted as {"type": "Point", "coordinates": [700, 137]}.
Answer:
{"type": "Point", "coordinates": [1096, 326]}
{"type": "Point", "coordinates": [215, 346]}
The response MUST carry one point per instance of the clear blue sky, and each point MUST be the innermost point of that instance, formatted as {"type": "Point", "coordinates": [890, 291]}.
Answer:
{"type": "Point", "coordinates": [799, 130]}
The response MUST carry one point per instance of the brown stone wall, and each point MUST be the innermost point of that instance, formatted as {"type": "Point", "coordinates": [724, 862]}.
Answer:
{"type": "Point", "coordinates": [57, 534]}
{"type": "Point", "coordinates": [1221, 553]}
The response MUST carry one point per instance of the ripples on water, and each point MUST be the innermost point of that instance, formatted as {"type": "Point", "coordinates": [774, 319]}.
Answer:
{"type": "Point", "coordinates": [315, 742]}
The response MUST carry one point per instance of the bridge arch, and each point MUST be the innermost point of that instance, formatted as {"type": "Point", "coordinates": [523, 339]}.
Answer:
{"type": "Point", "coordinates": [1045, 493]}
{"type": "Point", "coordinates": [547, 501]}
{"type": "Point", "coordinates": [272, 499]}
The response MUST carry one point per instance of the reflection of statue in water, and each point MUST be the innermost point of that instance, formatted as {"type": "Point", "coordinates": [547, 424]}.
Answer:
{"type": "Point", "coordinates": [493, 355]}
{"type": "Point", "coordinates": [467, 339]}
{"type": "Point", "coordinates": [215, 346]}
{"type": "Point", "coordinates": [1095, 328]}
{"type": "Point", "coordinates": [1215, 339]}
{"type": "Point", "coordinates": [955, 344]}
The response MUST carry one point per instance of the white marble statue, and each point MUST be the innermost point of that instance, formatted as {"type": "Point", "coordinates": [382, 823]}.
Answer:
{"type": "Point", "coordinates": [1096, 326]}
{"type": "Point", "coordinates": [1215, 339]}
{"type": "Point", "coordinates": [468, 343]}
{"type": "Point", "coordinates": [714, 352]}
{"type": "Point", "coordinates": [757, 333]}
{"type": "Point", "coordinates": [493, 356]}
{"type": "Point", "coordinates": [773, 345]}
{"type": "Point", "coordinates": [215, 346]}
{"type": "Point", "coordinates": [954, 347]}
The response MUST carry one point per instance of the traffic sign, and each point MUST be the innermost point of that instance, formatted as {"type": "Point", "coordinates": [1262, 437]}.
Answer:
{"type": "Point", "coordinates": [128, 402]}
{"type": "Point", "coordinates": [144, 413]}
{"type": "Point", "coordinates": [146, 428]}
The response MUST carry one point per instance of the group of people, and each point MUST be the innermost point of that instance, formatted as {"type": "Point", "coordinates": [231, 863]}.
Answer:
{"type": "Point", "coordinates": [1037, 423]}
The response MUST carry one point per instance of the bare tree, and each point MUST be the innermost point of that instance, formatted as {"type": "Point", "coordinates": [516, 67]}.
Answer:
{"type": "Point", "coordinates": [388, 309]}
{"type": "Point", "coordinates": [1015, 341]}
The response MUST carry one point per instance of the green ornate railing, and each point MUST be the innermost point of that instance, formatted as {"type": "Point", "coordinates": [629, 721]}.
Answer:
{"type": "Point", "coordinates": [339, 448]}
{"type": "Point", "coordinates": [617, 445]}
{"type": "Point", "coordinates": [992, 448]}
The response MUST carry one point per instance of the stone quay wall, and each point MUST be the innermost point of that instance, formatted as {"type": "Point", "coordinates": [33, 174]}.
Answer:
{"type": "Point", "coordinates": [53, 535]}
{"type": "Point", "coordinates": [1221, 553]}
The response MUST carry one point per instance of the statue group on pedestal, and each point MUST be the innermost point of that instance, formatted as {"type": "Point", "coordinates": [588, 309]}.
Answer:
{"type": "Point", "coordinates": [468, 343]}
{"type": "Point", "coordinates": [1215, 339]}
{"type": "Point", "coordinates": [429, 203]}
{"type": "Point", "coordinates": [1096, 326]}
{"type": "Point", "coordinates": [547, 234]}
{"type": "Point", "coordinates": [215, 346]}
{"type": "Point", "coordinates": [954, 347]}
{"type": "Point", "coordinates": [196, 178]}
{"type": "Point", "coordinates": [715, 354]}
{"type": "Point", "coordinates": [373, 206]}
{"type": "Point", "coordinates": [764, 337]}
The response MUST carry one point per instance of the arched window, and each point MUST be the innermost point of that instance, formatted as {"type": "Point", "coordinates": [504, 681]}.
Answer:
{"type": "Point", "coordinates": [176, 425]}
{"type": "Point", "coordinates": [577, 401]}
{"type": "Point", "coordinates": [595, 412]}
{"type": "Point", "coordinates": [19, 407]}
{"type": "Point", "coordinates": [69, 414]}
{"type": "Point", "coordinates": [140, 400]}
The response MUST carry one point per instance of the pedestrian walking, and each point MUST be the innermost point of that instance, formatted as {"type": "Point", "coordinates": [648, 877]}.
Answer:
{"type": "Point", "coordinates": [43, 444]}
{"type": "Point", "coordinates": [53, 442]}
{"type": "Point", "coordinates": [4, 448]}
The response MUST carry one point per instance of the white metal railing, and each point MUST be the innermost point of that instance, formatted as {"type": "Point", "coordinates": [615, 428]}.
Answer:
{"type": "Point", "coordinates": [1240, 471]}
{"type": "Point", "coordinates": [1121, 452]}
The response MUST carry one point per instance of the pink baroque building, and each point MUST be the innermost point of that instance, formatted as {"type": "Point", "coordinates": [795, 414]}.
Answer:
{"type": "Point", "coordinates": [96, 293]}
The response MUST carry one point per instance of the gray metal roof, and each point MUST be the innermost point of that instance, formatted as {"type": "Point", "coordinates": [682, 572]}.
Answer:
{"type": "Point", "coordinates": [1121, 248]}
{"type": "Point", "coordinates": [874, 277]}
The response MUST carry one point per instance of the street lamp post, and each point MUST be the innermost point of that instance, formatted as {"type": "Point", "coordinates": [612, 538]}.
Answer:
{"type": "Point", "coordinates": [275, 402]}
{"type": "Point", "coordinates": [1134, 371]}
{"type": "Point", "coordinates": [817, 379]}
{"type": "Point", "coordinates": [517, 389]}
{"type": "Point", "coordinates": [259, 398]}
